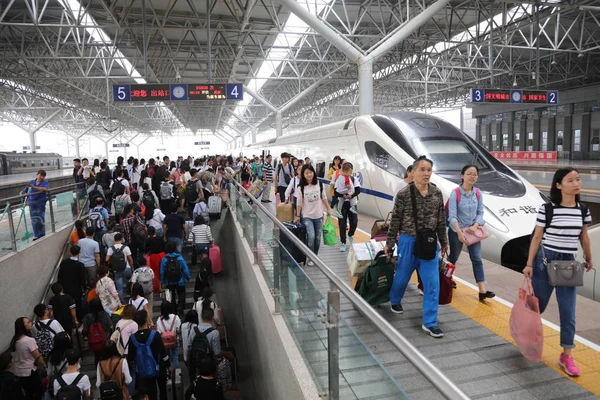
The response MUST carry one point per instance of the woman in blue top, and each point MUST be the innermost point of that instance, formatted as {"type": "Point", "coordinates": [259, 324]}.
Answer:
{"type": "Point", "coordinates": [467, 215]}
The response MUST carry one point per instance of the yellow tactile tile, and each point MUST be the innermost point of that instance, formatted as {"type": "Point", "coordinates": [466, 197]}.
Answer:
{"type": "Point", "coordinates": [495, 316]}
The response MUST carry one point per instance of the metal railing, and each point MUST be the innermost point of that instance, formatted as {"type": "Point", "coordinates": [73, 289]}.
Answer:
{"type": "Point", "coordinates": [421, 363]}
{"type": "Point", "coordinates": [19, 203]}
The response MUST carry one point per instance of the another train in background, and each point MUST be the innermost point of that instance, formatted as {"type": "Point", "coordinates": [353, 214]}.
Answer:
{"type": "Point", "coordinates": [19, 163]}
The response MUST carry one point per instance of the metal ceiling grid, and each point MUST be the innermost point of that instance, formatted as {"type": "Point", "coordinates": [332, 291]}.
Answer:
{"type": "Point", "coordinates": [51, 60]}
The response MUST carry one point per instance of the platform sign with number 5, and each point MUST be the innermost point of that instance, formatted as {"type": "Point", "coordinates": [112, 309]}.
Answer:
{"type": "Point", "coordinates": [235, 91]}
{"type": "Point", "coordinates": [121, 93]}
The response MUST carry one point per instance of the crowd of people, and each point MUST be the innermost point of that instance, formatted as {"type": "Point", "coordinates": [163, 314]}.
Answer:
{"type": "Point", "coordinates": [139, 222]}
{"type": "Point", "coordinates": [127, 250]}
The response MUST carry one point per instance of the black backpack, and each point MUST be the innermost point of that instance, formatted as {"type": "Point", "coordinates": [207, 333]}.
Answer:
{"type": "Point", "coordinates": [147, 197]}
{"type": "Point", "coordinates": [118, 259]}
{"type": "Point", "coordinates": [95, 193]}
{"type": "Point", "coordinates": [109, 389]}
{"type": "Point", "coordinates": [69, 392]}
{"type": "Point", "coordinates": [201, 347]}
{"type": "Point", "coordinates": [173, 270]}
{"type": "Point", "coordinates": [191, 191]}
{"type": "Point", "coordinates": [118, 189]}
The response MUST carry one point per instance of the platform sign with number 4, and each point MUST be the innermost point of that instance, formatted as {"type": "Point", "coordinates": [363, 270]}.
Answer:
{"type": "Point", "coordinates": [235, 91]}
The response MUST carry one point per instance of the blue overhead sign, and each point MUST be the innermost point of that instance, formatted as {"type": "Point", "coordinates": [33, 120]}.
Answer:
{"type": "Point", "coordinates": [178, 92]}
{"type": "Point", "coordinates": [514, 96]}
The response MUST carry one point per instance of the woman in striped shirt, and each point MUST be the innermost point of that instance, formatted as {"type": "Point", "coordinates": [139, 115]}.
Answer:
{"type": "Point", "coordinates": [201, 235]}
{"type": "Point", "coordinates": [568, 225]}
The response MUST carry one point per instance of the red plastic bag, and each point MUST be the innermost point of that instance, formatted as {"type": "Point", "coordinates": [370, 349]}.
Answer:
{"type": "Point", "coordinates": [526, 323]}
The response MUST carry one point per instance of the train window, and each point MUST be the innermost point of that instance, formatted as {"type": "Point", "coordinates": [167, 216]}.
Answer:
{"type": "Point", "coordinates": [24, 164]}
{"type": "Point", "coordinates": [448, 154]}
{"type": "Point", "coordinates": [426, 123]}
{"type": "Point", "coordinates": [41, 163]}
{"type": "Point", "coordinates": [378, 156]}
{"type": "Point", "coordinates": [320, 170]}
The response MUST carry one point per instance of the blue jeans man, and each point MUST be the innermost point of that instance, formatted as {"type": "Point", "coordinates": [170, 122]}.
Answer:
{"type": "Point", "coordinates": [37, 213]}
{"type": "Point", "coordinates": [430, 275]}
{"type": "Point", "coordinates": [121, 279]}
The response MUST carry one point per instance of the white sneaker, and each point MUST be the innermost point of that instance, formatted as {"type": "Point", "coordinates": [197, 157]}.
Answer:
{"type": "Point", "coordinates": [338, 214]}
{"type": "Point", "coordinates": [354, 210]}
{"type": "Point", "coordinates": [343, 247]}
{"type": "Point", "coordinates": [310, 263]}
{"type": "Point", "coordinates": [351, 240]}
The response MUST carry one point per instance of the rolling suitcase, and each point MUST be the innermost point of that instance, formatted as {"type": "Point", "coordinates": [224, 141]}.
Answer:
{"type": "Point", "coordinates": [214, 253]}
{"type": "Point", "coordinates": [299, 231]}
{"type": "Point", "coordinates": [215, 203]}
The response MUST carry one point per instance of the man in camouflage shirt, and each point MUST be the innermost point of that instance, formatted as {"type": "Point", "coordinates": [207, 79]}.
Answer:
{"type": "Point", "coordinates": [430, 215]}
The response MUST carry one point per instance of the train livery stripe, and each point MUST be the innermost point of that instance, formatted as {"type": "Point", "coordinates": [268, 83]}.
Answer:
{"type": "Point", "coordinates": [365, 190]}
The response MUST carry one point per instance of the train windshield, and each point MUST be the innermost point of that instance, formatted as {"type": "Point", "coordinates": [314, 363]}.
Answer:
{"type": "Point", "coordinates": [448, 154]}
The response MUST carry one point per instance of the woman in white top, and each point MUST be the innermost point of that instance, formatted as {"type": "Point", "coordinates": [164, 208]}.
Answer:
{"type": "Point", "coordinates": [154, 218]}
{"type": "Point", "coordinates": [113, 367]}
{"type": "Point", "coordinates": [205, 301]}
{"type": "Point", "coordinates": [557, 240]}
{"type": "Point", "coordinates": [139, 301]}
{"type": "Point", "coordinates": [169, 321]}
{"type": "Point", "coordinates": [187, 337]}
{"type": "Point", "coordinates": [25, 356]}
{"type": "Point", "coordinates": [311, 203]}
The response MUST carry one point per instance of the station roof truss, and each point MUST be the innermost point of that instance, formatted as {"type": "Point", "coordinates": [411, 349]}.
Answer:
{"type": "Point", "coordinates": [60, 58]}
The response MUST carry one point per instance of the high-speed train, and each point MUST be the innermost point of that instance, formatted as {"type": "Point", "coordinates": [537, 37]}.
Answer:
{"type": "Point", "coordinates": [19, 163]}
{"type": "Point", "coordinates": [382, 146]}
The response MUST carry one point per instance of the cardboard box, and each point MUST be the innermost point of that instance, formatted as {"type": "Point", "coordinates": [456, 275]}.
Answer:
{"type": "Point", "coordinates": [361, 255]}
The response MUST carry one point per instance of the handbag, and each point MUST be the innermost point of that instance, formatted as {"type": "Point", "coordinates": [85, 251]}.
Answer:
{"type": "Point", "coordinates": [564, 272]}
{"type": "Point", "coordinates": [526, 323]}
{"type": "Point", "coordinates": [377, 281]}
{"type": "Point", "coordinates": [425, 246]}
{"type": "Point", "coordinates": [478, 236]}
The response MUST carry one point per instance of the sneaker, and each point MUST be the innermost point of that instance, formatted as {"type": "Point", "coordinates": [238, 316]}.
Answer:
{"type": "Point", "coordinates": [343, 247]}
{"type": "Point", "coordinates": [338, 214]}
{"type": "Point", "coordinates": [397, 308]}
{"type": "Point", "coordinates": [421, 292]}
{"type": "Point", "coordinates": [351, 239]}
{"type": "Point", "coordinates": [568, 364]}
{"type": "Point", "coordinates": [353, 210]}
{"type": "Point", "coordinates": [265, 201]}
{"type": "Point", "coordinates": [310, 263]}
{"type": "Point", "coordinates": [434, 331]}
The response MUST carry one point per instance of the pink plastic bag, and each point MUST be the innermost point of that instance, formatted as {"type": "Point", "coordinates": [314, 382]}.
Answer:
{"type": "Point", "coordinates": [526, 323]}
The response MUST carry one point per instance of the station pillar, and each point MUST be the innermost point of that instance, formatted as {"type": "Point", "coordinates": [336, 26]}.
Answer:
{"type": "Point", "coordinates": [253, 135]}
{"type": "Point", "coordinates": [77, 146]}
{"type": "Point", "coordinates": [365, 86]}
{"type": "Point", "coordinates": [32, 142]}
{"type": "Point", "coordinates": [278, 124]}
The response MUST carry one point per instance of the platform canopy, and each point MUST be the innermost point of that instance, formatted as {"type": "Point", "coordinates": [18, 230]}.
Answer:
{"type": "Point", "coordinates": [300, 61]}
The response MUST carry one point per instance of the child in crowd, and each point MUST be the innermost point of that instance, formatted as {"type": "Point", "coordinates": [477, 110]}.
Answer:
{"type": "Point", "coordinates": [345, 186]}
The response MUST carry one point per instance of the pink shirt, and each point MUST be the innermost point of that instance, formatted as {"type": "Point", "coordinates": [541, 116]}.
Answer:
{"type": "Point", "coordinates": [312, 202]}
{"type": "Point", "coordinates": [127, 331]}
{"type": "Point", "coordinates": [23, 360]}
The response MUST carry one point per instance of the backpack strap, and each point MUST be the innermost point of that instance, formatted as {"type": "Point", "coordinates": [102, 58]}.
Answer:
{"type": "Point", "coordinates": [109, 377]}
{"type": "Point", "coordinates": [549, 211]}
{"type": "Point", "coordinates": [584, 211]}
{"type": "Point", "coordinates": [77, 379]}
{"type": "Point", "coordinates": [458, 195]}
{"type": "Point", "coordinates": [47, 326]}
{"type": "Point", "coordinates": [172, 324]}
{"type": "Point", "coordinates": [61, 381]}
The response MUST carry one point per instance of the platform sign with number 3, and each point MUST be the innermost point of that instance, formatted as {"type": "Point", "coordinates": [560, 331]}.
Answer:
{"type": "Point", "coordinates": [235, 91]}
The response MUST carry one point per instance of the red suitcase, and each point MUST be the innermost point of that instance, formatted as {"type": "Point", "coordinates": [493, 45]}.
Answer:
{"type": "Point", "coordinates": [214, 253]}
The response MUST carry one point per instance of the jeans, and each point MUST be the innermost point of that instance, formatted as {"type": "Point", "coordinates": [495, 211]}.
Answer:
{"type": "Point", "coordinates": [177, 241]}
{"type": "Point", "coordinates": [566, 296]}
{"type": "Point", "coordinates": [474, 254]}
{"type": "Point", "coordinates": [314, 233]}
{"type": "Point", "coordinates": [352, 218]}
{"type": "Point", "coordinates": [121, 279]}
{"type": "Point", "coordinates": [178, 297]}
{"type": "Point", "coordinates": [429, 272]}
{"type": "Point", "coordinates": [37, 214]}
{"type": "Point", "coordinates": [201, 246]}
{"type": "Point", "coordinates": [281, 191]}
{"type": "Point", "coordinates": [174, 357]}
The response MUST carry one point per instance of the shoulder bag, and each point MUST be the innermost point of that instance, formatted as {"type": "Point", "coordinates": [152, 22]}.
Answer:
{"type": "Point", "coordinates": [425, 246]}
{"type": "Point", "coordinates": [564, 272]}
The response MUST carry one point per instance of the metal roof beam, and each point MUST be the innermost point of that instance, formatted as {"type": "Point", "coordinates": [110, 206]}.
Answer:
{"type": "Point", "coordinates": [260, 99]}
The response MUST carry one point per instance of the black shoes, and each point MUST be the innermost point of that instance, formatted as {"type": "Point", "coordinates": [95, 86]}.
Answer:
{"type": "Point", "coordinates": [486, 295]}
{"type": "Point", "coordinates": [266, 201]}
{"type": "Point", "coordinates": [433, 331]}
{"type": "Point", "coordinates": [397, 309]}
